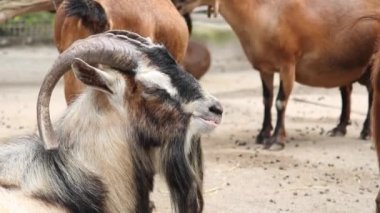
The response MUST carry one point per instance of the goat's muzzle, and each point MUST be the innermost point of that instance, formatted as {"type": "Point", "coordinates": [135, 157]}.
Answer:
{"type": "Point", "coordinates": [206, 114]}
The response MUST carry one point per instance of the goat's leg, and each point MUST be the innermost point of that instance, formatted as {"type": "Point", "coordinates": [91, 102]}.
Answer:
{"type": "Point", "coordinates": [344, 121]}
{"type": "Point", "coordinates": [287, 77]}
{"type": "Point", "coordinates": [267, 83]}
{"type": "Point", "coordinates": [366, 131]}
{"type": "Point", "coordinates": [365, 80]}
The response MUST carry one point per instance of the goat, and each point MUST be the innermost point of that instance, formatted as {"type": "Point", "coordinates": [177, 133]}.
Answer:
{"type": "Point", "coordinates": [158, 20]}
{"type": "Point", "coordinates": [316, 43]}
{"type": "Point", "coordinates": [100, 157]}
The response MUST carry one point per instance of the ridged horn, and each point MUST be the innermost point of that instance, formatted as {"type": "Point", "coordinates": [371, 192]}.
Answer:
{"type": "Point", "coordinates": [115, 49]}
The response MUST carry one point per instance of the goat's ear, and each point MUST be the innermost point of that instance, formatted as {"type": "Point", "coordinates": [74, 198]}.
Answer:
{"type": "Point", "coordinates": [92, 76]}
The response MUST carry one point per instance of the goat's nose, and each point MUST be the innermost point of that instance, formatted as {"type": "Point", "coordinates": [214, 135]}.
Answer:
{"type": "Point", "coordinates": [216, 108]}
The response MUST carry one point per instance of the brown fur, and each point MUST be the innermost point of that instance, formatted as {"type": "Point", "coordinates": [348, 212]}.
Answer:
{"type": "Point", "coordinates": [158, 20]}
{"type": "Point", "coordinates": [197, 60]}
{"type": "Point", "coordinates": [376, 115]}
{"type": "Point", "coordinates": [316, 43]}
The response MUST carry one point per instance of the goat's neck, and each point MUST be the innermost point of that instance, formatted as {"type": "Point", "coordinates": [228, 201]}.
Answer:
{"type": "Point", "coordinates": [96, 135]}
{"type": "Point", "coordinates": [238, 12]}
{"type": "Point", "coordinates": [91, 123]}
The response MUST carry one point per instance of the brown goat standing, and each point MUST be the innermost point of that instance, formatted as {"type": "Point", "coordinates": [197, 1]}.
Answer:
{"type": "Point", "coordinates": [316, 43]}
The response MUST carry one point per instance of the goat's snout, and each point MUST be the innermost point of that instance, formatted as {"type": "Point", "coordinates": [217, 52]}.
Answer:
{"type": "Point", "coordinates": [207, 113]}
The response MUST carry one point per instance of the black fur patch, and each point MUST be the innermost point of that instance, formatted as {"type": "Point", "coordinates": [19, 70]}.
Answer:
{"type": "Point", "coordinates": [143, 179]}
{"type": "Point", "coordinates": [365, 79]}
{"type": "Point", "coordinates": [83, 192]}
{"type": "Point", "coordinates": [90, 12]}
{"type": "Point", "coordinates": [281, 94]}
{"type": "Point", "coordinates": [146, 140]}
{"type": "Point", "coordinates": [183, 187]}
{"type": "Point", "coordinates": [196, 161]}
{"type": "Point", "coordinates": [187, 86]}
{"type": "Point", "coordinates": [189, 22]}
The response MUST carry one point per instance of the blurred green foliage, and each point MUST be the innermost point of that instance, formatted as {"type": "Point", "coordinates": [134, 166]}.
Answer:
{"type": "Point", "coordinates": [33, 18]}
{"type": "Point", "coordinates": [213, 34]}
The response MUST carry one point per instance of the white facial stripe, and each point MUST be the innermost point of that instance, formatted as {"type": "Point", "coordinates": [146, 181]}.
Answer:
{"type": "Point", "coordinates": [153, 78]}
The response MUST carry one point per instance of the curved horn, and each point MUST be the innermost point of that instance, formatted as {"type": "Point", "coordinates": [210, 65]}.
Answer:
{"type": "Point", "coordinates": [106, 48]}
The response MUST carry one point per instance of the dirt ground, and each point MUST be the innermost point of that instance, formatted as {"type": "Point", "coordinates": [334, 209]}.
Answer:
{"type": "Point", "coordinates": [315, 173]}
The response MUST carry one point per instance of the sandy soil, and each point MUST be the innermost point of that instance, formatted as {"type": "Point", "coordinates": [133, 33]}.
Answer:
{"type": "Point", "coordinates": [315, 173]}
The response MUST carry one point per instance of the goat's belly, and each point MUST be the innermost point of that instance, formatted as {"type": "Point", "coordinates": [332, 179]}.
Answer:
{"type": "Point", "coordinates": [15, 201]}
{"type": "Point", "coordinates": [327, 77]}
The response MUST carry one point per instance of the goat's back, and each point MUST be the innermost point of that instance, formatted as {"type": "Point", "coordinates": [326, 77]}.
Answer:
{"type": "Point", "coordinates": [323, 38]}
{"type": "Point", "coordinates": [158, 20]}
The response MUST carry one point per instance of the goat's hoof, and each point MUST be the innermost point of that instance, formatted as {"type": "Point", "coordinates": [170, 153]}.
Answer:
{"type": "Point", "coordinates": [262, 137]}
{"type": "Point", "coordinates": [274, 144]}
{"type": "Point", "coordinates": [365, 134]}
{"type": "Point", "coordinates": [338, 131]}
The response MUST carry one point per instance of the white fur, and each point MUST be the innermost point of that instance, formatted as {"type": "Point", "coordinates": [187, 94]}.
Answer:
{"type": "Point", "coordinates": [110, 152]}
{"type": "Point", "coordinates": [98, 141]}
{"type": "Point", "coordinates": [17, 202]}
{"type": "Point", "coordinates": [150, 77]}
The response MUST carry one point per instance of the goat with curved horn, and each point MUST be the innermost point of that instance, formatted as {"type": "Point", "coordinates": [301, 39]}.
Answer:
{"type": "Point", "coordinates": [101, 154]}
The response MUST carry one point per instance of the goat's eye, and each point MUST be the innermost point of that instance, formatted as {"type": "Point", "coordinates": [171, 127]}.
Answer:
{"type": "Point", "coordinates": [159, 93]}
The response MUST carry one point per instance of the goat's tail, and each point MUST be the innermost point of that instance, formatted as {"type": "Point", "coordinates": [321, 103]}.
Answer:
{"type": "Point", "coordinates": [91, 13]}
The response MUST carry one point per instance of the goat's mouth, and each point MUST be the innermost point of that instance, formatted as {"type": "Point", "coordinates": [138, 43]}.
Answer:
{"type": "Point", "coordinates": [206, 114]}
{"type": "Point", "coordinates": [208, 122]}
